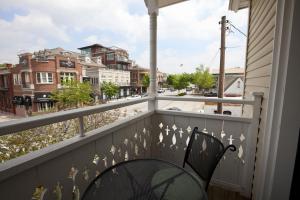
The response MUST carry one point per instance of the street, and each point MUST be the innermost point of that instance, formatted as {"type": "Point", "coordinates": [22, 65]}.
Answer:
{"type": "Point", "coordinates": [198, 107]}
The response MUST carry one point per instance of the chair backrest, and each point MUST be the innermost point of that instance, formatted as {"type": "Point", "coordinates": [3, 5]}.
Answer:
{"type": "Point", "coordinates": [204, 153]}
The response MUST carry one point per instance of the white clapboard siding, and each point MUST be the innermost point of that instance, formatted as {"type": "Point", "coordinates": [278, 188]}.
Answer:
{"type": "Point", "coordinates": [259, 59]}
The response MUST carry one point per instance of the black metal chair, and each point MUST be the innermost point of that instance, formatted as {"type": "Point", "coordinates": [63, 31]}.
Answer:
{"type": "Point", "coordinates": [203, 154]}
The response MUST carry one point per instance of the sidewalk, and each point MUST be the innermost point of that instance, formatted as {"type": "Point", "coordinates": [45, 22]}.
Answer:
{"type": "Point", "coordinates": [4, 116]}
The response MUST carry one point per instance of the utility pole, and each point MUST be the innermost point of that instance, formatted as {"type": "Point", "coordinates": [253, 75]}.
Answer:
{"type": "Point", "coordinates": [222, 62]}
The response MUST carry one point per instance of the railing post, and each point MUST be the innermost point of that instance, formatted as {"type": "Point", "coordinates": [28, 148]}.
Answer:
{"type": "Point", "coordinates": [251, 144]}
{"type": "Point", "coordinates": [81, 126]}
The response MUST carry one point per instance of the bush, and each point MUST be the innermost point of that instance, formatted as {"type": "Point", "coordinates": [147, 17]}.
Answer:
{"type": "Point", "coordinates": [182, 94]}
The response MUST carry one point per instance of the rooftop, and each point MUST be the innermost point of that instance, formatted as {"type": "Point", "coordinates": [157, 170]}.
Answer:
{"type": "Point", "coordinates": [232, 70]}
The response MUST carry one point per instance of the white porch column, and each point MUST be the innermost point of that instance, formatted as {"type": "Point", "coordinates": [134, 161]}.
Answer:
{"type": "Point", "coordinates": [153, 13]}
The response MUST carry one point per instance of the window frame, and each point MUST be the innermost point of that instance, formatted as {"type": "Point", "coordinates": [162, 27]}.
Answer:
{"type": "Point", "coordinates": [40, 78]}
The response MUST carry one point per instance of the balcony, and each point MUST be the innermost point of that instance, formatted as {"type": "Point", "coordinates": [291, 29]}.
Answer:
{"type": "Point", "coordinates": [66, 168]}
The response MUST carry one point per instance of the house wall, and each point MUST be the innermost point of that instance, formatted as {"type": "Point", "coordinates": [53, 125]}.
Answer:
{"type": "Point", "coordinates": [259, 62]}
{"type": "Point", "coordinates": [236, 88]}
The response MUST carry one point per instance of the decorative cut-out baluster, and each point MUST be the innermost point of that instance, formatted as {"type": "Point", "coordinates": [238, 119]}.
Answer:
{"type": "Point", "coordinates": [113, 162]}
{"type": "Point", "coordinates": [187, 140]}
{"type": "Point", "coordinates": [205, 130]}
{"type": "Point", "coordinates": [173, 140]}
{"type": "Point", "coordinates": [126, 157]}
{"type": "Point", "coordinates": [160, 137]}
{"type": "Point", "coordinates": [180, 132]}
{"type": "Point", "coordinates": [189, 129]}
{"type": "Point", "coordinates": [174, 127]}
{"type": "Point", "coordinates": [58, 191]}
{"type": "Point", "coordinates": [160, 125]}
{"type": "Point", "coordinates": [120, 152]}
{"type": "Point", "coordinates": [230, 139]}
{"type": "Point", "coordinates": [241, 152]}
{"type": "Point", "coordinates": [105, 161]}
{"type": "Point", "coordinates": [140, 138]}
{"type": "Point", "coordinates": [85, 174]}
{"type": "Point", "coordinates": [242, 137]}
{"type": "Point", "coordinates": [144, 131]}
{"type": "Point", "coordinates": [136, 150]}
{"type": "Point", "coordinates": [98, 182]}
{"type": "Point", "coordinates": [145, 143]}
{"type": "Point", "coordinates": [75, 193]}
{"type": "Point", "coordinates": [126, 141]}
{"type": "Point", "coordinates": [204, 145]}
{"type": "Point", "coordinates": [222, 131]}
{"type": "Point", "coordinates": [112, 150]}
{"type": "Point", "coordinates": [39, 193]}
{"type": "Point", "coordinates": [136, 136]}
{"type": "Point", "coordinates": [73, 173]}
{"type": "Point", "coordinates": [97, 173]}
{"type": "Point", "coordinates": [96, 159]}
{"type": "Point", "coordinates": [167, 130]}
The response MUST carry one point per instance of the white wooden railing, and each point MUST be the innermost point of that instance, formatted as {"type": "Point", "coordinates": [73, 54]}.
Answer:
{"type": "Point", "coordinates": [65, 169]}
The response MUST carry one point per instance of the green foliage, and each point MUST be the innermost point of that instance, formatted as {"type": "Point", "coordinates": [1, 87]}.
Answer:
{"type": "Point", "coordinates": [146, 81]}
{"type": "Point", "coordinates": [170, 79]}
{"type": "Point", "coordinates": [181, 81]}
{"type": "Point", "coordinates": [73, 95]}
{"type": "Point", "coordinates": [23, 142]}
{"type": "Point", "coordinates": [110, 89]}
{"type": "Point", "coordinates": [203, 79]}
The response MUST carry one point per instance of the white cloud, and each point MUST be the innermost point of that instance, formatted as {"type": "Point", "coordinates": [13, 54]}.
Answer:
{"type": "Point", "coordinates": [114, 23]}
{"type": "Point", "coordinates": [30, 32]}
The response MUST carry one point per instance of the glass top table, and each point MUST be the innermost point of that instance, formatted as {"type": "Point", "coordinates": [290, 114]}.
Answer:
{"type": "Point", "coordinates": [145, 179]}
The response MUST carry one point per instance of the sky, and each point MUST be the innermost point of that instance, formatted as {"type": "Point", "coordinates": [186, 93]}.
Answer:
{"type": "Point", "coordinates": [188, 32]}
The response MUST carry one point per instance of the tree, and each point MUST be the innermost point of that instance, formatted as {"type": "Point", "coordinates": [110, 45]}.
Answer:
{"type": "Point", "coordinates": [181, 81]}
{"type": "Point", "coordinates": [109, 89]}
{"type": "Point", "coordinates": [73, 95]}
{"type": "Point", "coordinates": [203, 79]}
{"type": "Point", "coordinates": [170, 80]}
{"type": "Point", "coordinates": [146, 81]}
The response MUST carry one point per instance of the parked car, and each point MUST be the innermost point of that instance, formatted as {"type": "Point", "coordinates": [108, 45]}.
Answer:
{"type": "Point", "coordinates": [160, 91]}
{"type": "Point", "coordinates": [210, 94]}
{"type": "Point", "coordinates": [174, 108]}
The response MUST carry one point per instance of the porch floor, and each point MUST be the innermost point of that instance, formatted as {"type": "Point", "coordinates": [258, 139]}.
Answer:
{"type": "Point", "coordinates": [218, 193]}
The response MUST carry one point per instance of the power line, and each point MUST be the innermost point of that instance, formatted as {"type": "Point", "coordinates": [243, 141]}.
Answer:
{"type": "Point", "coordinates": [213, 59]}
{"type": "Point", "coordinates": [237, 29]}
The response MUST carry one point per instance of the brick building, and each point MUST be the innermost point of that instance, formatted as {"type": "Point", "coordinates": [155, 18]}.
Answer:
{"type": "Point", "coordinates": [40, 73]}
{"type": "Point", "coordinates": [109, 64]}
{"type": "Point", "coordinates": [137, 74]}
{"type": "Point", "coordinates": [6, 88]}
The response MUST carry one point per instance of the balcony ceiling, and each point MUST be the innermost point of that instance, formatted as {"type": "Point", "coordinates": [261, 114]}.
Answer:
{"type": "Point", "coordinates": [236, 5]}
{"type": "Point", "coordinates": [164, 3]}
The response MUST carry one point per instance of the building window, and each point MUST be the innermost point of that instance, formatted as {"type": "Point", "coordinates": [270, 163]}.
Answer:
{"type": "Point", "coordinates": [94, 81]}
{"type": "Point", "coordinates": [44, 77]}
{"type": "Point", "coordinates": [110, 56]}
{"type": "Point", "coordinates": [5, 85]}
{"type": "Point", "coordinates": [17, 79]}
{"type": "Point", "coordinates": [239, 84]}
{"type": "Point", "coordinates": [27, 79]}
{"type": "Point", "coordinates": [119, 67]}
{"type": "Point", "coordinates": [66, 76]}
{"type": "Point", "coordinates": [87, 51]}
